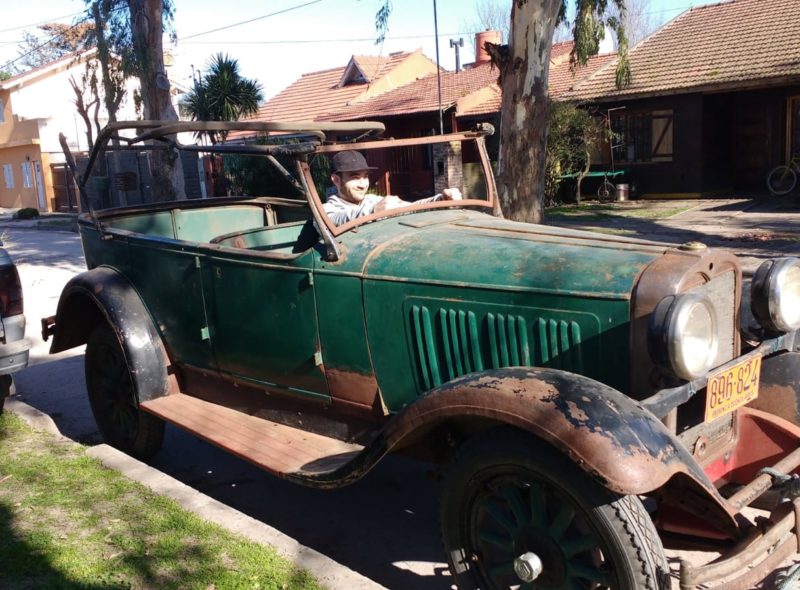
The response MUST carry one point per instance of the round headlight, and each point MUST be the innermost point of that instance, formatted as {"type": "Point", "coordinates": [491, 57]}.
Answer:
{"type": "Point", "coordinates": [775, 295]}
{"type": "Point", "coordinates": [683, 335]}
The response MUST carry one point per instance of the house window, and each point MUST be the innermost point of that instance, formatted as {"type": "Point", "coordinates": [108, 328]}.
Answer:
{"type": "Point", "coordinates": [8, 175]}
{"type": "Point", "coordinates": [27, 175]}
{"type": "Point", "coordinates": [2, 111]}
{"type": "Point", "coordinates": [644, 136]}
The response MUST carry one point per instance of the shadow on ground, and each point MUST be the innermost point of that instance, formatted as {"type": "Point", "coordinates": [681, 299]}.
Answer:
{"type": "Point", "coordinates": [378, 527]}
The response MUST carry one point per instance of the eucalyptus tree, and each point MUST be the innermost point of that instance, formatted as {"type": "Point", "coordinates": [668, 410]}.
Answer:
{"type": "Point", "coordinates": [134, 31]}
{"type": "Point", "coordinates": [523, 66]}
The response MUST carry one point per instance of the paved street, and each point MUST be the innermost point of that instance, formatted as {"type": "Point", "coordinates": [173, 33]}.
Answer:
{"type": "Point", "coordinates": [384, 527]}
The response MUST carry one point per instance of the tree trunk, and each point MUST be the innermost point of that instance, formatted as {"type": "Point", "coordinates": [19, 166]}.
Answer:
{"type": "Point", "coordinates": [83, 111]}
{"type": "Point", "coordinates": [109, 92]}
{"type": "Point", "coordinates": [147, 29]}
{"type": "Point", "coordinates": [525, 109]}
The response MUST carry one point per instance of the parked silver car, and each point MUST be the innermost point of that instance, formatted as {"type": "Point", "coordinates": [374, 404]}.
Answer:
{"type": "Point", "coordinates": [14, 347]}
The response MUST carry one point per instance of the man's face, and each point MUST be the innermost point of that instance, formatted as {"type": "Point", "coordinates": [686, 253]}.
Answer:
{"type": "Point", "coordinates": [352, 186]}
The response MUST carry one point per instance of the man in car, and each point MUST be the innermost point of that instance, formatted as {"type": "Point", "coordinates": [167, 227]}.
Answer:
{"type": "Point", "coordinates": [350, 176]}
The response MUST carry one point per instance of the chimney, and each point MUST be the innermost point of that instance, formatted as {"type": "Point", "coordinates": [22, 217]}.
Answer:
{"type": "Point", "coordinates": [481, 55]}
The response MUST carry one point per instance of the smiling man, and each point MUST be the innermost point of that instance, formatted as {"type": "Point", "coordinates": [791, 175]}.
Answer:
{"type": "Point", "coordinates": [350, 176]}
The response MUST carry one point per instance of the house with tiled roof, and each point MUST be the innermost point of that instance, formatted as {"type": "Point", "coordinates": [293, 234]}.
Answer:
{"type": "Point", "coordinates": [402, 91]}
{"type": "Point", "coordinates": [317, 94]}
{"type": "Point", "coordinates": [714, 100]}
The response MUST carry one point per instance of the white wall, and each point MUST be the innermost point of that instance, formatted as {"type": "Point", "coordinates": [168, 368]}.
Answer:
{"type": "Point", "coordinates": [51, 100]}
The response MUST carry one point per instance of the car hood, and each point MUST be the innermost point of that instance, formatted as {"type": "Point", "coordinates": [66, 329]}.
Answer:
{"type": "Point", "coordinates": [476, 250]}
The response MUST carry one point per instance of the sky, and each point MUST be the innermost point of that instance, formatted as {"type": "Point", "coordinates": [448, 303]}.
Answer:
{"type": "Point", "coordinates": [286, 38]}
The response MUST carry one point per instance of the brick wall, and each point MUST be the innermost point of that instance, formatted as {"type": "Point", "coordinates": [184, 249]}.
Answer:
{"type": "Point", "coordinates": [447, 166]}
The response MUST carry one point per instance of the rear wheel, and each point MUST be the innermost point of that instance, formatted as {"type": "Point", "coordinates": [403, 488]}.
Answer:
{"type": "Point", "coordinates": [113, 400]}
{"type": "Point", "coordinates": [781, 180]}
{"type": "Point", "coordinates": [518, 514]}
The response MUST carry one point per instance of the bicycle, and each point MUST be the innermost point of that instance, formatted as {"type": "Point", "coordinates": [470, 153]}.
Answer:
{"type": "Point", "coordinates": [607, 190]}
{"type": "Point", "coordinates": [782, 179]}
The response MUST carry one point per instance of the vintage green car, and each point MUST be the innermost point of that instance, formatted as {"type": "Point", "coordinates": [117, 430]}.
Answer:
{"type": "Point", "coordinates": [593, 398]}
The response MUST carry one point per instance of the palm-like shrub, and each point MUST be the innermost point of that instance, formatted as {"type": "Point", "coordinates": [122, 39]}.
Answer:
{"type": "Point", "coordinates": [222, 94]}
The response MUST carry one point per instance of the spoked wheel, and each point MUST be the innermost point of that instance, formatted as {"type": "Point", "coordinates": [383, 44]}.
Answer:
{"type": "Point", "coordinates": [606, 190]}
{"type": "Point", "coordinates": [518, 514]}
{"type": "Point", "coordinates": [781, 180]}
{"type": "Point", "coordinates": [113, 400]}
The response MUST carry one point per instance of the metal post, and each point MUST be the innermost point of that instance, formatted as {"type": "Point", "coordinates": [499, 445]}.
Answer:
{"type": "Point", "coordinates": [438, 69]}
{"type": "Point", "coordinates": [457, 45]}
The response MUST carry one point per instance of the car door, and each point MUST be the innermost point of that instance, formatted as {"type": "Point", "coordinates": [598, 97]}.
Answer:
{"type": "Point", "coordinates": [264, 322]}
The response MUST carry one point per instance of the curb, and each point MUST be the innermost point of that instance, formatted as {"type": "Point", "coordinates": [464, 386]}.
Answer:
{"type": "Point", "coordinates": [328, 572]}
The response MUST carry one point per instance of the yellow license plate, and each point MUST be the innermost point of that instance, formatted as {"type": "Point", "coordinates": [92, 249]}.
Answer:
{"type": "Point", "coordinates": [732, 388]}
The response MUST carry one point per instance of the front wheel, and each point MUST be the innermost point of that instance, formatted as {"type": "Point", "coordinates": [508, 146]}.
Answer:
{"type": "Point", "coordinates": [781, 180]}
{"type": "Point", "coordinates": [113, 400]}
{"type": "Point", "coordinates": [516, 513]}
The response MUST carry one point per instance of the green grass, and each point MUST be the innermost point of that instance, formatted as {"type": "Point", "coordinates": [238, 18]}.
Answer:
{"type": "Point", "coordinates": [67, 522]}
{"type": "Point", "coordinates": [58, 222]}
{"type": "Point", "coordinates": [593, 211]}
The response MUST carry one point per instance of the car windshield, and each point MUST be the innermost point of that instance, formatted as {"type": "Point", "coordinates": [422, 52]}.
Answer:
{"type": "Point", "coordinates": [387, 178]}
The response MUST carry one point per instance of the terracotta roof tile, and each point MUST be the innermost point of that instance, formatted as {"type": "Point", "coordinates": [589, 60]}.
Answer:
{"type": "Point", "coordinates": [422, 95]}
{"type": "Point", "coordinates": [318, 93]}
{"type": "Point", "coordinates": [714, 46]}
{"type": "Point", "coordinates": [562, 78]}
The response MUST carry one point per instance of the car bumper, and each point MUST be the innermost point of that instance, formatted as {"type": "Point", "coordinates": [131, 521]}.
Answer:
{"type": "Point", "coordinates": [14, 351]}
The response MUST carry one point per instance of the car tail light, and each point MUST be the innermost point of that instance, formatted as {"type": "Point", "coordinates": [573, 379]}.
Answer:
{"type": "Point", "coordinates": [10, 291]}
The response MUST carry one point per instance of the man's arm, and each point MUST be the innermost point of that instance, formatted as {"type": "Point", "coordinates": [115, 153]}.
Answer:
{"type": "Point", "coordinates": [448, 194]}
{"type": "Point", "coordinates": [340, 211]}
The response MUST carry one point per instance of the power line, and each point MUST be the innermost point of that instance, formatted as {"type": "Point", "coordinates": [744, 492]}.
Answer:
{"type": "Point", "coordinates": [354, 40]}
{"type": "Point", "coordinates": [244, 22]}
{"type": "Point", "coordinates": [42, 22]}
{"type": "Point", "coordinates": [45, 43]}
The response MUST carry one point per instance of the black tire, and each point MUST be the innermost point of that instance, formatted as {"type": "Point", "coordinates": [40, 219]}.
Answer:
{"type": "Point", "coordinates": [508, 494]}
{"type": "Point", "coordinates": [6, 389]}
{"type": "Point", "coordinates": [781, 180]}
{"type": "Point", "coordinates": [113, 399]}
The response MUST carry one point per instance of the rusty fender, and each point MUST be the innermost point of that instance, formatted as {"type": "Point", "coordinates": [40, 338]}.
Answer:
{"type": "Point", "coordinates": [104, 294]}
{"type": "Point", "coordinates": [610, 436]}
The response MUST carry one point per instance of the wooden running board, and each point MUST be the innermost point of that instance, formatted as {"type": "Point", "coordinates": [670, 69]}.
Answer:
{"type": "Point", "coordinates": [275, 447]}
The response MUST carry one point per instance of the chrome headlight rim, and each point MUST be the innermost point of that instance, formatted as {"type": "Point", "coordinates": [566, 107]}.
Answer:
{"type": "Point", "coordinates": [667, 327]}
{"type": "Point", "coordinates": [766, 295]}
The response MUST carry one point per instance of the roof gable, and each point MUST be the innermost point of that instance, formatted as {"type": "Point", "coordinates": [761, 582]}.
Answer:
{"type": "Point", "coordinates": [725, 45]}
{"type": "Point", "coordinates": [31, 76]}
{"type": "Point", "coordinates": [318, 93]}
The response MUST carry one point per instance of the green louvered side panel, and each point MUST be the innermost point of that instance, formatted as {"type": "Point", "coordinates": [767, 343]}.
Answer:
{"type": "Point", "coordinates": [448, 343]}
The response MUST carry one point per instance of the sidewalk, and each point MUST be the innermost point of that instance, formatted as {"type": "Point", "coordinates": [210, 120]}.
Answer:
{"type": "Point", "coordinates": [754, 229]}
{"type": "Point", "coordinates": [44, 221]}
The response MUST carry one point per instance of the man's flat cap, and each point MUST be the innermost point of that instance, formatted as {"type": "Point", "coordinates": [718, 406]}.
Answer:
{"type": "Point", "coordinates": [349, 161]}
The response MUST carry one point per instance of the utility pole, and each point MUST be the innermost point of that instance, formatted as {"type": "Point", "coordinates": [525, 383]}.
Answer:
{"type": "Point", "coordinates": [457, 45]}
{"type": "Point", "coordinates": [438, 69]}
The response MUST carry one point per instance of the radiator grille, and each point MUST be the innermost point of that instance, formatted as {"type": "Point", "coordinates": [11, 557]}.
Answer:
{"type": "Point", "coordinates": [449, 342]}
{"type": "Point", "coordinates": [721, 292]}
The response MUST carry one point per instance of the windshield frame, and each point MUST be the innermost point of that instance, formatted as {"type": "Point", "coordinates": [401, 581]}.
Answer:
{"type": "Point", "coordinates": [491, 202]}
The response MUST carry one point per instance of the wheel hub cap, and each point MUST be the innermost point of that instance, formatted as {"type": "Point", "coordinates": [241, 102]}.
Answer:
{"type": "Point", "coordinates": [528, 567]}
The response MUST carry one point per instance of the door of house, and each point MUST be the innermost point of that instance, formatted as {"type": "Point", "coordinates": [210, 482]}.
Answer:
{"type": "Point", "coordinates": [752, 141]}
{"type": "Point", "coordinates": [37, 168]}
{"type": "Point", "coordinates": [793, 139]}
